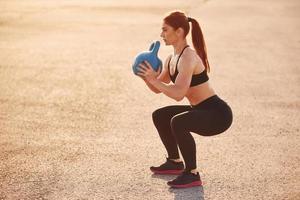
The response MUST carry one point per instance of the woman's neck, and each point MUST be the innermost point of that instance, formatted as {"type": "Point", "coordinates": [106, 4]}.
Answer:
{"type": "Point", "coordinates": [178, 47]}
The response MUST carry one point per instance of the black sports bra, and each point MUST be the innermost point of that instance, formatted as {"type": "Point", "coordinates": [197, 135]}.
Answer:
{"type": "Point", "coordinates": [197, 79]}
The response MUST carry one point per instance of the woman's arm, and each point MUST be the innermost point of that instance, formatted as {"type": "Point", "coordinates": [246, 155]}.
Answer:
{"type": "Point", "coordinates": [163, 76]}
{"type": "Point", "coordinates": [151, 87]}
{"type": "Point", "coordinates": [180, 87]}
{"type": "Point", "coordinates": [182, 82]}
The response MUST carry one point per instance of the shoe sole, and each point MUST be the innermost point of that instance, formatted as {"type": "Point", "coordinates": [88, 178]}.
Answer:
{"type": "Point", "coordinates": [173, 172]}
{"type": "Point", "coordinates": [193, 184]}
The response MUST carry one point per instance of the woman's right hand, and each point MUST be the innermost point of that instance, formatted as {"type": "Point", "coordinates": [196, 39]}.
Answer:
{"type": "Point", "coordinates": [147, 72]}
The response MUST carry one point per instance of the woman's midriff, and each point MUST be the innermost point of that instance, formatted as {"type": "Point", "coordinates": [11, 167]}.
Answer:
{"type": "Point", "coordinates": [199, 93]}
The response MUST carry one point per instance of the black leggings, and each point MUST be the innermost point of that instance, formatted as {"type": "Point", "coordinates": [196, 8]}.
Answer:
{"type": "Point", "coordinates": [174, 124]}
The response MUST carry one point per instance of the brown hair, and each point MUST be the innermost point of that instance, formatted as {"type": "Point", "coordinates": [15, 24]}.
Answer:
{"type": "Point", "coordinates": [177, 20]}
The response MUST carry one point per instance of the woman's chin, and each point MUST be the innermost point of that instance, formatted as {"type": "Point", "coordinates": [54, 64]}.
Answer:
{"type": "Point", "coordinates": [166, 43]}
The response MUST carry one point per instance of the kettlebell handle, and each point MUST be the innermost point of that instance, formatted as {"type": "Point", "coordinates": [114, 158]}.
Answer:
{"type": "Point", "coordinates": [155, 47]}
{"type": "Point", "coordinates": [151, 46]}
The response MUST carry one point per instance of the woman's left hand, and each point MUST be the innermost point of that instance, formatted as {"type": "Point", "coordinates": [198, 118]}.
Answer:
{"type": "Point", "coordinates": [146, 71]}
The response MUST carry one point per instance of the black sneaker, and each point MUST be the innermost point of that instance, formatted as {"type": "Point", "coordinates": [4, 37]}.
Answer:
{"type": "Point", "coordinates": [186, 180]}
{"type": "Point", "coordinates": [169, 167]}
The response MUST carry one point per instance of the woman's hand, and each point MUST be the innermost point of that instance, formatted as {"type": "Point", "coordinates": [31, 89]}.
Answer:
{"type": "Point", "coordinates": [146, 72]}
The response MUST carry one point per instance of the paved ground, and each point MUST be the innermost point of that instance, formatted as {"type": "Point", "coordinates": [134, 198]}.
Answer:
{"type": "Point", "coordinates": [76, 124]}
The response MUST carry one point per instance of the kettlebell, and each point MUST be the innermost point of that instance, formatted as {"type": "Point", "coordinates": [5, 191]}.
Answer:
{"type": "Point", "coordinates": [150, 56]}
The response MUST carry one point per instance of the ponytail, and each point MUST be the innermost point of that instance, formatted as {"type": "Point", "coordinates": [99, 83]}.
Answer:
{"type": "Point", "coordinates": [199, 43]}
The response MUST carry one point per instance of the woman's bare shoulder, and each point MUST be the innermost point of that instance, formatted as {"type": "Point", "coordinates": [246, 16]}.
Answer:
{"type": "Point", "coordinates": [192, 54]}
{"type": "Point", "coordinates": [189, 57]}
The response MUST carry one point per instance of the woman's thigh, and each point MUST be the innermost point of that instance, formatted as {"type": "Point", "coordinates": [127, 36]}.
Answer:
{"type": "Point", "coordinates": [202, 122]}
{"type": "Point", "coordinates": [166, 113]}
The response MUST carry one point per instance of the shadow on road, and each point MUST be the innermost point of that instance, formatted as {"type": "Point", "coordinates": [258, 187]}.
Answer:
{"type": "Point", "coordinates": [164, 177]}
{"type": "Point", "coordinates": [195, 193]}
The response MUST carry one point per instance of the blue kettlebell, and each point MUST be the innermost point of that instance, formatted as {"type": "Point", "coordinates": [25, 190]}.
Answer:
{"type": "Point", "coordinates": [150, 56]}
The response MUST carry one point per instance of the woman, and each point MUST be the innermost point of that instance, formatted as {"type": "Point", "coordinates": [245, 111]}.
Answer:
{"type": "Point", "coordinates": [206, 115]}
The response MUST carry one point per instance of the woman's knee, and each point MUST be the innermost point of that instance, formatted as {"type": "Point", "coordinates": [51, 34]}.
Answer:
{"type": "Point", "coordinates": [177, 124]}
{"type": "Point", "coordinates": [157, 115]}
{"type": "Point", "coordinates": [165, 114]}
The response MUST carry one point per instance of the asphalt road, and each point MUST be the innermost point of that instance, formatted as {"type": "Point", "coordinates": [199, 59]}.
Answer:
{"type": "Point", "coordinates": [75, 123]}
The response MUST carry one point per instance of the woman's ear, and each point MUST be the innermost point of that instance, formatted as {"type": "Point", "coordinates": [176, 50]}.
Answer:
{"type": "Point", "coordinates": [180, 32]}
